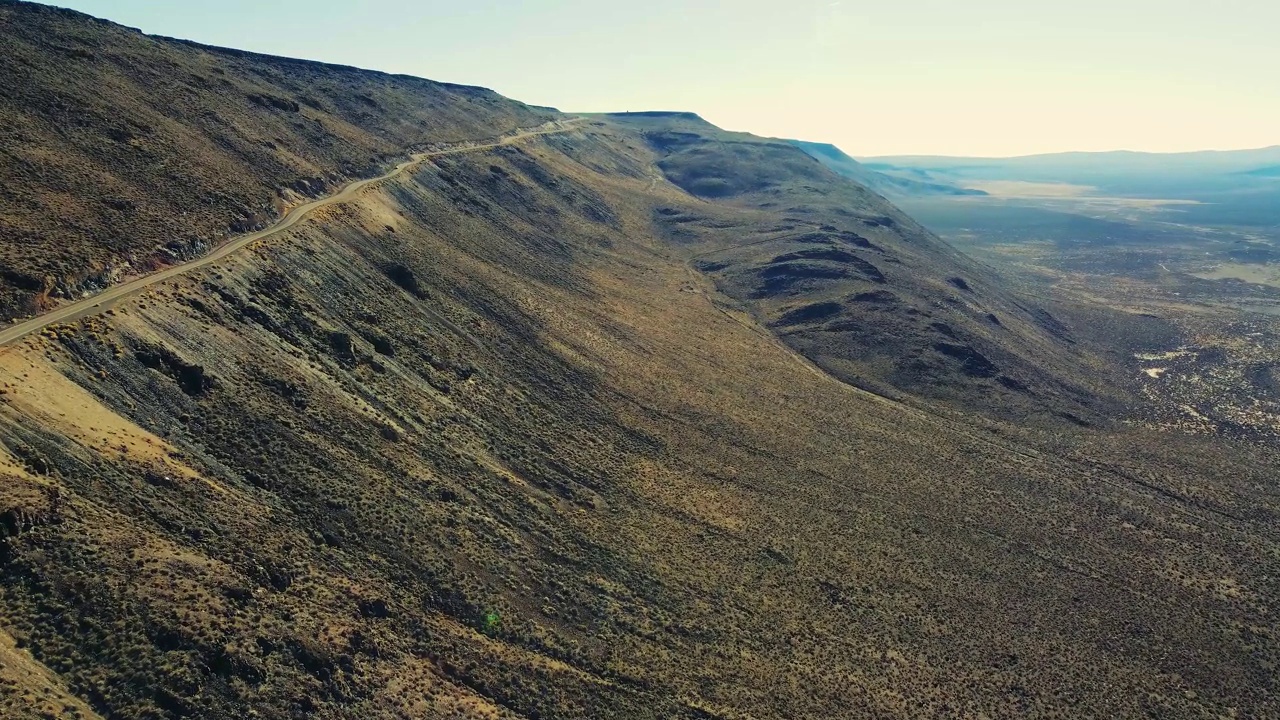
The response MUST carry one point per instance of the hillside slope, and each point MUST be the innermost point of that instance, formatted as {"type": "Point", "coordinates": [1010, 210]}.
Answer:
{"type": "Point", "coordinates": [888, 184]}
{"type": "Point", "coordinates": [494, 439]}
{"type": "Point", "coordinates": [861, 289]}
{"type": "Point", "coordinates": [121, 152]}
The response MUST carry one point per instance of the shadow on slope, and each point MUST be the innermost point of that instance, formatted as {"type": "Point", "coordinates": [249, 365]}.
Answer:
{"type": "Point", "coordinates": [861, 289]}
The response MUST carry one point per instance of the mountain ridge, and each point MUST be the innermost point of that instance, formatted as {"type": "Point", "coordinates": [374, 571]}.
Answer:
{"type": "Point", "coordinates": [884, 182]}
{"type": "Point", "coordinates": [95, 194]}
{"type": "Point", "coordinates": [1268, 149]}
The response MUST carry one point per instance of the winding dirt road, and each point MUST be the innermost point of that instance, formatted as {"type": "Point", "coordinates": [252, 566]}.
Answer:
{"type": "Point", "coordinates": [102, 301]}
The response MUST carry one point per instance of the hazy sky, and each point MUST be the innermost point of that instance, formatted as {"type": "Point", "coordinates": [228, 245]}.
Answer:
{"type": "Point", "coordinates": [959, 77]}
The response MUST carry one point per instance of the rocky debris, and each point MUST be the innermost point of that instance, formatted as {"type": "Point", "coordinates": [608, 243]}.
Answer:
{"type": "Point", "coordinates": [313, 187]}
{"type": "Point", "coordinates": [343, 346]}
{"type": "Point", "coordinates": [192, 378]}
{"type": "Point", "coordinates": [381, 344]}
{"type": "Point", "coordinates": [274, 102]}
{"type": "Point", "coordinates": [186, 249]}
{"type": "Point", "coordinates": [403, 276]}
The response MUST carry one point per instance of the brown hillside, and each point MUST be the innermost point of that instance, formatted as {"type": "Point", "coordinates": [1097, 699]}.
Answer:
{"type": "Point", "coordinates": [120, 152]}
{"type": "Point", "coordinates": [495, 440]}
{"type": "Point", "coordinates": [861, 289]}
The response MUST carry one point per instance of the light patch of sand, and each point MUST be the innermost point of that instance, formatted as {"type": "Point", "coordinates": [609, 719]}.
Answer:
{"type": "Point", "coordinates": [1024, 189]}
{"type": "Point", "coordinates": [1067, 197]}
{"type": "Point", "coordinates": [1258, 273]}
{"type": "Point", "coordinates": [34, 390]}
{"type": "Point", "coordinates": [1193, 413]}
{"type": "Point", "coordinates": [1156, 373]}
{"type": "Point", "coordinates": [378, 211]}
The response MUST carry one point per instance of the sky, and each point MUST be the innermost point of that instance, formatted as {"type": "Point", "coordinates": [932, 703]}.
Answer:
{"type": "Point", "coordinates": [889, 77]}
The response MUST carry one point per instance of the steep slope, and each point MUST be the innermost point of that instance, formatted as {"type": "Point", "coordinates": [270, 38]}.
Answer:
{"type": "Point", "coordinates": [481, 442]}
{"type": "Point", "coordinates": [858, 287]}
{"type": "Point", "coordinates": [885, 183]}
{"type": "Point", "coordinates": [121, 152]}
{"type": "Point", "coordinates": [478, 445]}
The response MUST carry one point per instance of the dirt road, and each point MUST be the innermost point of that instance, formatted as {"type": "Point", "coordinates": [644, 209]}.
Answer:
{"type": "Point", "coordinates": [105, 299]}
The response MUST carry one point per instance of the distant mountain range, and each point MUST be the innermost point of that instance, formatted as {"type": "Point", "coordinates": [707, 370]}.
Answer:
{"type": "Point", "coordinates": [1200, 175]}
{"type": "Point", "coordinates": [1189, 174]}
{"type": "Point", "coordinates": [1219, 160]}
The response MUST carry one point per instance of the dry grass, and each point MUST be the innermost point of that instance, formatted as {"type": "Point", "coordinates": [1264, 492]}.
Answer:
{"type": "Point", "coordinates": [123, 153]}
{"type": "Point", "coordinates": [488, 443]}
{"type": "Point", "coordinates": [31, 690]}
{"type": "Point", "coordinates": [543, 471]}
